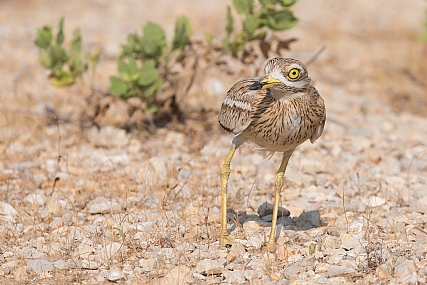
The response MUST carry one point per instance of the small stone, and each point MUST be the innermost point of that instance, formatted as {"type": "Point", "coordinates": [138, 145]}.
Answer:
{"type": "Point", "coordinates": [7, 212]}
{"type": "Point", "coordinates": [336, 270]}
{"type": "Point", "coordinates": [349, 242]}
{"type": "Point", "coordinates": [114, 275]}
{"type": "Point", "coordinates": [209, 267]}
{"type": "Point", "coordinates": [236, 250]}
{"type": "Point", "coordinates": [61, 265]}
{"type": "Point", "coordinates": [421, 205]}
{"type": "Point", "coordinates": [179, 275]}
{"type": "Point", "coordinates": [167, 253]}
{"type": "Point", "coordinates": [148, 265]}
{"type": "Point", "coordinates": [309, 220]}
{"type": "Point", "coordinates": [376, 201]}
{"type": "Point", "coordinates": [37, 198]}
{"type": "Point", "coordinates": [252, 241]}
{"type": "Point", "coordinates": [322, 268]}
{"type": "Point", "coordinates": [292, 271]}
{"type": "Point", "coordinates": [198, 276]}
{"type": "Point", "coordinates": [86, 264]}
{"type": "Point", "coordinates": [8, 267]}
{"type": "Point", "coordinates": [144, 226]}
{"type": "Point", "coordinates": [235, 277]}
{"type": "Point", "coordinates": [108, 251]}
{"type": "Point", "coordinates": [7, 254]}
{"type": "Point", "coordinates": [56, 223]}
{"type": "Point", "coordinates": [39, 265]}
{"type": "Point", "coordinates": [267, 209]}
{"type": "Point", "coordinates": [105, 207]}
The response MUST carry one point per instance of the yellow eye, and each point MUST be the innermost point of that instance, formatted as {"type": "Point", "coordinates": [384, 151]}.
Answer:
{"type": "Point", "coordinates": [293, 73]}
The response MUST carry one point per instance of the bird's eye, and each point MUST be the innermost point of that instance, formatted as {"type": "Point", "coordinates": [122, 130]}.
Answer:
{"type": "Point", "coordinates": [293, 73]}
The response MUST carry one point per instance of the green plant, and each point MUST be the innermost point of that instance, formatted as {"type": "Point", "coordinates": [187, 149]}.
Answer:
{"type": "Point", "coordinates": [145, 61]}
{"type": "Point", "coordinates": [258, 17]}
{"type": "Point", "coordinates": [65, 66]}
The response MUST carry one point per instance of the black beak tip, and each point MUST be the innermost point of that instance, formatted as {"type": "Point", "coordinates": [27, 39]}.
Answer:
{"type": "Point", "coordinates": [256, 86]}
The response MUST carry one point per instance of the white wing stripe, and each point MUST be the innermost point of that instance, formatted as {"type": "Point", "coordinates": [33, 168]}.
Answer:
{"type": "Point", "coordinates": [242, 105]}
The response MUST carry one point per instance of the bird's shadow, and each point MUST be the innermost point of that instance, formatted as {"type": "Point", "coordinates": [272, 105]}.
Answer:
{"type": "Point", "coordinates": [306, 221]}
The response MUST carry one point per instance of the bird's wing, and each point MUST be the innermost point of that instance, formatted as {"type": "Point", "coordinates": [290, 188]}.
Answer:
{"type": "Point", "coordinates": [320, 111]}
{"type": "Point", "coordinates": [237, 107]}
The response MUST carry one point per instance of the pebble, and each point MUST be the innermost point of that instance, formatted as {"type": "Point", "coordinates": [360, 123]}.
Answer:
{"type": "Point", "coordinates": [209, 267]}
{"type": "Point", "coordinates": [37, 198]}
{"type": "Point", "coordinates": [7, 212]}
{"type": "Point", "coordinates": [108, 251]}
{"type": "Point", "coordinates": [148, 265]}
{"type": "Point", "coordinates": [8, 267]}
{"type": "Point", "coordinates": [376, 201]}
{"type": "Point", "coordinates": [235, 277]}
{"type": "Point", "coordinates": [61, 265]}
{"type": "Point", "coordinates": [336, 270]}
{"type": "Point", "coordinates": [236, 250]}
{"type": "Point", "coordinates": [179, 275]}
{"type": "Point", "coordinates": [267, 209]}
{"type": "Point", "coordinates": [308, 220]}
{"type": "Point", "coordinates": [39, 265]}
{"type": "Point", "coordinates": [114, 275]}
{"type": "Point", "coordinates": [105, 207]}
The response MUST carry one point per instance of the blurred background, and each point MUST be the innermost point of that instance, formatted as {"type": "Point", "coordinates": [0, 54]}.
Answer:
{"type": "Point", "coordinates": [372, 50]}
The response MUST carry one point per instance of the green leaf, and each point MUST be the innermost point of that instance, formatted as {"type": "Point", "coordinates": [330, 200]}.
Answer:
{"type": "Point", "coordinates": [132, 46]}
{"type": "Point", "coordinates": [122, 234]}
{"type": "Point", "coordinates": [280, 20]}
{"type": "Point", "coordinates": [243, 6]}
{"type": "Point", "coordinates": [65, 78]}
{"type": "Point", "coordinates": [209, 39]}
{"type": "Point", "coordinates": [153, 88]}
{"type": "Point", "coordinates": [311, 248]}
{"type": "Point", "coordinates": [183, 32]}
{"type": "Point", "coordinates": [287, 3]}
{"type": "Point", "coordinates": [151, 108]}
{"type": "Point", "coordinates": [129, 72]}
{"type": "Point", "coordinates": [153, 41]}
{"type": "Point", "coordinates": [76, 64]}
{"type": "Point", "coordinates": [76, 42]}
{"type": "Point", "coordinates": [239, 42]}
{"type": "Point", "coordinates": [93, 58]}
{"type": "Point", "coordinates": [266, 3]}
{"type": "Point", "coordinates": [45, 59]}
{"type": "Point", "coordinates": [229, 26]}
{"type": "Point", "coordinates": [118, 87]}
{"type": "Point", "coordinates": [58, 55]}
{"type": "Point", "coordinates": [60, 35]}
{"type": "Point", "coordinates": [251, 24]}
{"type": "Point", "coordinates": [148, 73]}
{"type": "Point", "coordinates": [44, 37]}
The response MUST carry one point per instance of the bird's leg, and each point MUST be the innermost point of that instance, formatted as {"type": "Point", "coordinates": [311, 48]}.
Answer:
{"type": "Point", "coordinates": [225, 238]}
{"type": "Point", "coordinates": [278, 182]}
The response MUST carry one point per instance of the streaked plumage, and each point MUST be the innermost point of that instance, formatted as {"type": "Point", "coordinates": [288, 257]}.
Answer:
{"type": "Point", "coordinates": [285, 111]}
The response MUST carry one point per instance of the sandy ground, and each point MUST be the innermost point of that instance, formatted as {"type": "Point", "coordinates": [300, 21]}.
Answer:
{"type": "Point", "coordinates": [143, 208]}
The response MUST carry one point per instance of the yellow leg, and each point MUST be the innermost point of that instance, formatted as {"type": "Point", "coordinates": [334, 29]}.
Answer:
{"type": "Point", "coordinates": [278, 182]}
{"type": "Point", "coordinates": [225, 238]}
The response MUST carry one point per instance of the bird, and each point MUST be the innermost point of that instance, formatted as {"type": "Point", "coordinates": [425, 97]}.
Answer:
{"type": "Point", "coordinates": [277, 112]}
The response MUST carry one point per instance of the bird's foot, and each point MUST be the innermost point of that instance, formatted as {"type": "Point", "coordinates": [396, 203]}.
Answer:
{"type": "Point", "coordinates": [226, 239]}
{"type": "Point", "coordinates": [271, 246]}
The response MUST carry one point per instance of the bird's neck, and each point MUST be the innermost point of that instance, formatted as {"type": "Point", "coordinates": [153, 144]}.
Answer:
{"type": "Point", "coordinates": [284, 95]}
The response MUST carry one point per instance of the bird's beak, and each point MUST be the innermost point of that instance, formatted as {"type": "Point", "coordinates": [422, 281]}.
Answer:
{"type": "Point", "coordinates": [264, 83]}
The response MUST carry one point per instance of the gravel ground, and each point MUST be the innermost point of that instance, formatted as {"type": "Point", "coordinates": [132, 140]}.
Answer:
{"type": "Point", "coordinates": [90, 206]}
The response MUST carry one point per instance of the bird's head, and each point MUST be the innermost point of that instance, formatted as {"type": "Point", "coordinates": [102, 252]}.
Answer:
{"type": "Point", "coordinates": [284, 75]}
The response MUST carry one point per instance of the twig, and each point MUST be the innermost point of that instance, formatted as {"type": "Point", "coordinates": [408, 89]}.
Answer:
{"type": "Point", "coordinates": [345, 212]}
{"type": "Point", "coordinates": [315, 56]}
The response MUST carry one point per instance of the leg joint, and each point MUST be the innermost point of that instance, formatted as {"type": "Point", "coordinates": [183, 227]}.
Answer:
{"type": "Point", "coordinates": [278, 180]}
